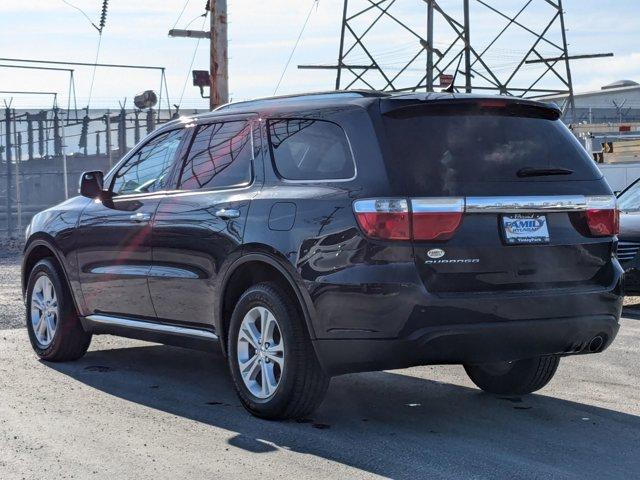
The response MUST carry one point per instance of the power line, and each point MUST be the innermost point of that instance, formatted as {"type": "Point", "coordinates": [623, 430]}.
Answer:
{"type": "Point", "coordinates": [184, 7]}
{"type": "Point", "coordinates": [314, 4]}
{"type": "Point", "coordinates": [103, 20]}
{"type": "Point", "coordinates": [83, 13]}
{"type": "Point", "coordinates": [195, 18]}
{"type": "Point", "coordinates": [93, 75]}
{"type": "Point", "coordinates": [193, 58]}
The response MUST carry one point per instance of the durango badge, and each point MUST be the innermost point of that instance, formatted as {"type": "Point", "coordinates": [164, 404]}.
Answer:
{"type": "Point", "coordinates": [435, 253]}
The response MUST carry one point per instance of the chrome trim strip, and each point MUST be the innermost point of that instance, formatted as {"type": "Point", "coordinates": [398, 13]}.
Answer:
{"type": "Point", "coordinates": [494, 204]}
{"type": "Point", "coordinates": [437, 205]}
{"type": "Point", "coordinates": [152, 327]}
{"type": "Point", "coordinates": [508, 204]}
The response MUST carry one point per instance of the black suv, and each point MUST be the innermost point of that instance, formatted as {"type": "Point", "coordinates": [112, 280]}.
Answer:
{"type": "Point", "coordinates": [322, 234]}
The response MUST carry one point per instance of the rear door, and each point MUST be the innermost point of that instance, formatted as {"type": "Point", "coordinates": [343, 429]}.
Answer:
{"type": "Point", "coordinates": [198, 227]}
{"type": "Point", "coordinates": [503, 197]}
{"type": "Point", "coordinates": [114, 236]}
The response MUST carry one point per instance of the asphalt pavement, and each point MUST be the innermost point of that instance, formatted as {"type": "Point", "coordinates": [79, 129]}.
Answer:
{"type": "Point", "coordinates": [132, 409]}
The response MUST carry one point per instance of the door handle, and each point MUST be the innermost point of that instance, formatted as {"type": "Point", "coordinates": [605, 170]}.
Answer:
{"type": "Point", "coordinates": [140, 217]}
{"type": "Point", "coordinates": [228, 213]}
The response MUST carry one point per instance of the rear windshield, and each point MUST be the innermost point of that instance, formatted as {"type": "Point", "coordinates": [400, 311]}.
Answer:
{"type": "Point", "coordinates": [433, 151]}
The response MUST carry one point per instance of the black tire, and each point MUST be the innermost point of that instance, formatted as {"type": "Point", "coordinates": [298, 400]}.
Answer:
{"type": "Point", "coordinates": [303, 383]}
{"type": "Point", "coordinates": [516, 378]}
{"type": "Point", "coordinates": [70, 341]}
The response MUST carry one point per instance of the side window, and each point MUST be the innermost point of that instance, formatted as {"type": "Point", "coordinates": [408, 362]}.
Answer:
{"type": "Point", "coordinates": [147, 170]}
{"type": "Point", "coordinates": [305, 149]}
{"type": "Point", "coordinates": [220, 157]}
{"type": "Point", "coordinates": [630, 199]}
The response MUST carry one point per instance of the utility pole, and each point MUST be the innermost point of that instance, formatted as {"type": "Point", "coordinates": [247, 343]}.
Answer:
{"type": "Point", "coordinates": [219, 65]}
{"type": "Point", "coordinates": [218, 57]}
{"type": "Point", "coordinates": [8, 147]}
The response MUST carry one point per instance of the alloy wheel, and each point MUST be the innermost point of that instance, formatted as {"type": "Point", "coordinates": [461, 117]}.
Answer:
{"type": "Point", "coordinates": [261, 352]}
{"type": "Point", "coordinates": [44, 311]}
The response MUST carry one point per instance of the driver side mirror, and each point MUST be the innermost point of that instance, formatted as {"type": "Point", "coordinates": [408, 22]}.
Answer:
{"type": "Point", "coordinates": [91, 184]}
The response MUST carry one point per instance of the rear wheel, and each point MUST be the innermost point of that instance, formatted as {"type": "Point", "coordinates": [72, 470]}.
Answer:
{"type": "Point", "coordinates": [273, 364]}
{"type": "Point", "coordinates": [54, 329]}
{"type": "Point", "coordinates": [514, 378]}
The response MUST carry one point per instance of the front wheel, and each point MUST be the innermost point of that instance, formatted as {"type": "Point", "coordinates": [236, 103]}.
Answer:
{"type": "Point", "coordinates": [514, 378]}
{"type": "Point", "coordinates": [52, 322]}
{"type": "Point", "coordinates": [273, 364]}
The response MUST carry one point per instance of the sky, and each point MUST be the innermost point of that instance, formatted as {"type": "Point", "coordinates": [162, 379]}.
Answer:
{"type": "Point", "coordinates": [262, 35]}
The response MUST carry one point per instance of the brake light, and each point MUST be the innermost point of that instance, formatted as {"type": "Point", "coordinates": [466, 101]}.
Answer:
{"type": "Point", "coordinates": [603, 217]}
{"type": "Point", "coordinates": [385, 219]}
{"type": "Point", "coordinates": [492, 103]}
{"type": "Point", "coordinates": [436, 218]}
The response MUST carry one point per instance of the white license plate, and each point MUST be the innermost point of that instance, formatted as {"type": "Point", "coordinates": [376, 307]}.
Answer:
{"type": "Point", "coordinates": [525, 228]}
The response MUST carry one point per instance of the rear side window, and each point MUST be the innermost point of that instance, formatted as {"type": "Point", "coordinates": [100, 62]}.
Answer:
{"type": "Point", "coordinates": [220, 157]}
{"type": "Point", "coordinates": [305, 149]}
{"type": "Point", "coordinates": [434, 152]}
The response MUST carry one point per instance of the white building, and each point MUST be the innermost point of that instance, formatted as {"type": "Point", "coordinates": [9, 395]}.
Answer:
{"type": "Point", "coordinates": [616, 102]}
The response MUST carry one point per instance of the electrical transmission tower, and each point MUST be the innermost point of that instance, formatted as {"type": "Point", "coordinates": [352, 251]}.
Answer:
{"type": "Point", "coordinates": [507, 47]}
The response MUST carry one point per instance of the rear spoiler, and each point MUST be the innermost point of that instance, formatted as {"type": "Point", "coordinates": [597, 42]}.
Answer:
{"type": "Point", "coordinates": [443, 104]}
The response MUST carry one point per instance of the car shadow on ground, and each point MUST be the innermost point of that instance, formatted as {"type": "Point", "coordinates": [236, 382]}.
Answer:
{"type": "Point", "coordinates": [631, 311]}
{"type": "Point", "coordinates": [386, 423]}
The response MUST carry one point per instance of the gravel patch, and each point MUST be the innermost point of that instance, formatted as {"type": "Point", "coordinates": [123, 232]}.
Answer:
{"type": "Point", "coordinates": [11, 306]}
{"type": "Point", "coordinates": [10, 247]}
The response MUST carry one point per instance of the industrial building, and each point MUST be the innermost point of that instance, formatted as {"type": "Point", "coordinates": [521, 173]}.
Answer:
{"type": "Point", "coordinates": [614, 103]}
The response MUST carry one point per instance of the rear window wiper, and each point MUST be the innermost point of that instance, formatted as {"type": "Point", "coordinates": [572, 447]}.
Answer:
{"type": "Point", "coordinates": [542, 172]}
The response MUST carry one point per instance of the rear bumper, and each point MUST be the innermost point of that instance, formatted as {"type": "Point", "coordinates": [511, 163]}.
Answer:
{"type": "Point", "coordinates": [470, 343]}
{"type": "Point", "coordinates": [395, 322]}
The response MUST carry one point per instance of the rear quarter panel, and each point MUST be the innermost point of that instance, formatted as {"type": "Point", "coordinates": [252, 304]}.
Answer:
{"type": "Point", "coordinates": [332, 260]}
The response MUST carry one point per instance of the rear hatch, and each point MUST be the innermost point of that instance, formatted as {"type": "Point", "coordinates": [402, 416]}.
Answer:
{"type": "Point", "coordinates": [500, 196]}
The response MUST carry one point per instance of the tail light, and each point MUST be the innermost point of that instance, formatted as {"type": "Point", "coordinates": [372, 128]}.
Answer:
{"type": "Point", "coordinates": [602, 216]}
{"type": "Point", "coordinates": [385, 219]}
{"type": "Point", "coordinates": [435, 219]}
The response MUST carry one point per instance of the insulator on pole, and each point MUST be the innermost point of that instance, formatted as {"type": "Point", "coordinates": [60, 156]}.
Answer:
{"type": "Point", "coordinates": [103, 15]}
{"type": "Point", "coordinates": [82, 143]}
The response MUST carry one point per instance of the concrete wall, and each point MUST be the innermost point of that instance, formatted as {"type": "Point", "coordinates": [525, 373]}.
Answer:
{"type": "Point", "coordinates": [42, 184]}
{"type": "Point", "coordinates": [621, 175]}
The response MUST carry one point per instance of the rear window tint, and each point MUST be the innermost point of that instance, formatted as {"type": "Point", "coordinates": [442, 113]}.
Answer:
{"type": "Point", "coordinates": [430, 153]}
{"type": "Point", "coordinates": [305, 149]}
